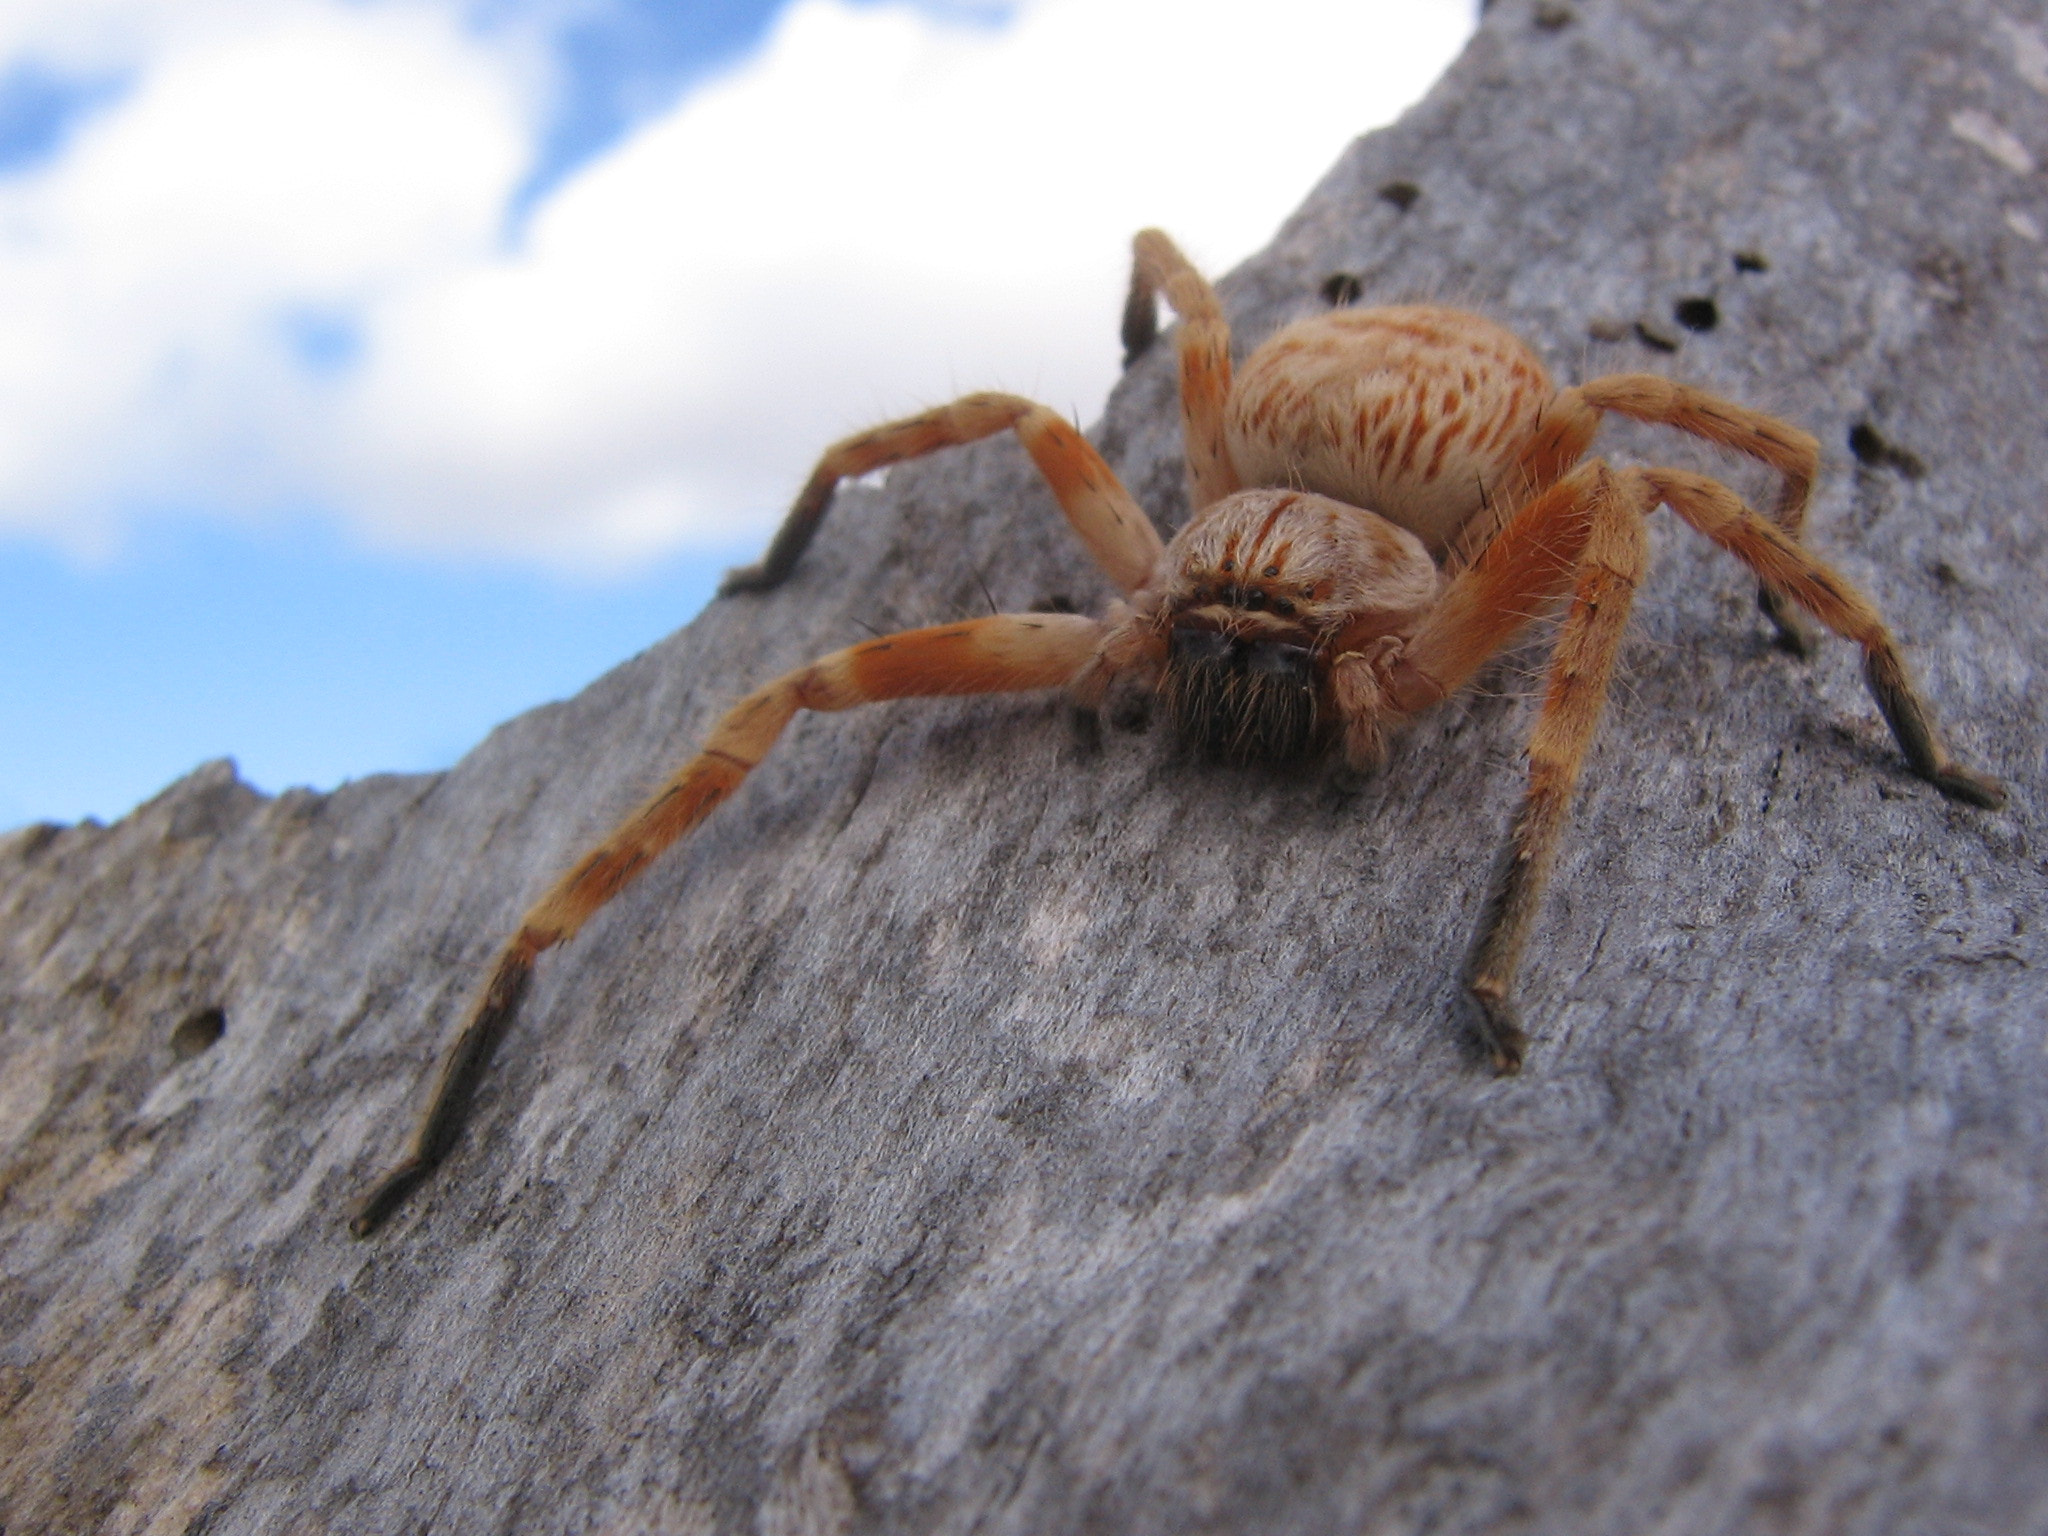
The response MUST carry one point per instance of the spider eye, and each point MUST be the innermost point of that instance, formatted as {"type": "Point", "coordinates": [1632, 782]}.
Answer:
{"type": "Point", "coordinates": [1272, 571]}
{"type": "Point", "coordinates": [1230, 565]}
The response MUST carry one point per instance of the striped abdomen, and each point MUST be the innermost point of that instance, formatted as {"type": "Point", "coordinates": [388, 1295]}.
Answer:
{"type": "Point", "coordinates": [1414, 412]}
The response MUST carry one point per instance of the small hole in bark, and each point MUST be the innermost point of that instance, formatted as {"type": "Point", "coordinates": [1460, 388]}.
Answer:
{"type": "Point", "coordinates": [1656, 341]}
{"type": "Point", "coordinates": [1552, 17]}
{"type": "Point", "coordinates": [198, 1033]}
{"type": "Point", "coordinates": [1342, 288]}
{"type": "Point", "coordinates": [1402, 194]}
{"type": "Point", "coordinates": [1697, 314]}
{"type": "Point", "coordinates": [1875, 452]}
{"type": "Point", "coordinates": [1751, 261]}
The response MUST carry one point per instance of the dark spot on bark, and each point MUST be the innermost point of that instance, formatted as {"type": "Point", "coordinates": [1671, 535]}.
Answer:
{"type": "Point", "coordinates": [1696, 314]}
{"type": "Point", "coordinates": [199, 1032]}
{"type": "Point", "coordinates": [1552, 17]}
{"type": "Point", "coordinates": [1085, 726]}
{"type": "Point", "coordinates": [1874, 451]}
{"type": "Point", "coordinates": [1946, 277]}
{"type": "Point", "coordinates": [1055, 602]}
{"type": "Point", "coordinates": [1751, 261]}
{"type": "Point", "coordinates": [1925, 1217]}
{"type": "Point", "coordinates": [1043, 1110]}
{"type": "Point", "coordinates": [1402, 194]}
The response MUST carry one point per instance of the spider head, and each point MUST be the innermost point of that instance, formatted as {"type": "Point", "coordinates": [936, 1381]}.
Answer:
{"type": "Point", "coordinates": [1258, 597]}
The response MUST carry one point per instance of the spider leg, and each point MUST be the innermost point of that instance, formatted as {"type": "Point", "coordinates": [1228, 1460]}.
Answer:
{"type": "Point", "coordinates": [1587, 528]}
{"type": "Point", "coordinates": [1792, 453]}
{"type": "Point", "coordinates": [1584, 534]}
{"type": "Point", "coordinates": [1109, 522]}
{"type": "Point", "coordinates": [1005, 653]}
{"type": "Point", "coordinates": [1529, 564]}
{"type": "Point", "coordinates": [1785, 568]}
{"type": "Point", "coordinates": [1157, 266]}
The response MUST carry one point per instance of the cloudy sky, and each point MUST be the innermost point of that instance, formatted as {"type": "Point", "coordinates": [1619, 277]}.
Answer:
{"type": "Point", "coordinates": [373, 369]}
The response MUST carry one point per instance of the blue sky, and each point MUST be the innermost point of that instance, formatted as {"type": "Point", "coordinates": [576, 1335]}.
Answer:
{"type": "Point", "coordinates": [371, 370]}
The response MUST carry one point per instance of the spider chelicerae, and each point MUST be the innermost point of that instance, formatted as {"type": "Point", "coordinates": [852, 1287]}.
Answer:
{"type": "Point", "coordinates": [1382, 499]}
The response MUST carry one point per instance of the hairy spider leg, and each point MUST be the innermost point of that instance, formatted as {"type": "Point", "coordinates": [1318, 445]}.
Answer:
{"type": "Point", "coordinates": [1794, 454]}
{"type": "Point", "coordinates": [1516, 578]}
{"type": "Point", "coordinates": [1585, 532]}
{"type": "Point", "coordinates": [1003, 654]}
{"type": "Point", "coordinates": [1103, 514]}
{"type": "Point", "coordinates": [1203, 340]}
{"type": "Point", "coordinates": [1785, 566]}
{"type": "Point", "coordinates": [1588, 528]}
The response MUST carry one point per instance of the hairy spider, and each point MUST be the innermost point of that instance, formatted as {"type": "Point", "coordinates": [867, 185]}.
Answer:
{"type": "Point", "coordinates": [1382, 499]}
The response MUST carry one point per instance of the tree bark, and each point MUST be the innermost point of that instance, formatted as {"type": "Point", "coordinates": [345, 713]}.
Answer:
{"type": "Point", "coordinates": [967, 1132]}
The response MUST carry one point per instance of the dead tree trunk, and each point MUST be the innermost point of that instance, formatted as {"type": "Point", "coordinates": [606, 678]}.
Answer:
{"type": "Point", "coordinates": [963, 1133]}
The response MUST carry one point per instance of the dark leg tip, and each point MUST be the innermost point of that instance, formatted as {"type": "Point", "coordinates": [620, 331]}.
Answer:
{"type": "Point", "coordinates": [747, 578]}
{"type": "Point", "coordinates": [1970, 787]}
{"type": "Point", "coordinates": [388, 1195]}
{"type": "Point", "coordinates": [1140, 327]}
{"type": "Point", "coordinates": [1500, 1027]}
{"type": "Point", "coordinates": [1792, 637]}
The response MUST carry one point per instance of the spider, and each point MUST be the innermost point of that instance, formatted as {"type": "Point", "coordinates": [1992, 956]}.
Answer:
{"type": "Point", "coordinates": [1382, 499]}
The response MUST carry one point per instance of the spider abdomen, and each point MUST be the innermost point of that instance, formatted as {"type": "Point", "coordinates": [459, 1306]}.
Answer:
{"type": "Point", "coordinates": [1414, 411]}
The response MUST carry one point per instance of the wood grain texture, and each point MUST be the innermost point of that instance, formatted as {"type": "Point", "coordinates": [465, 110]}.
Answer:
{"type": "Point", "coordinates": [963, 1134]}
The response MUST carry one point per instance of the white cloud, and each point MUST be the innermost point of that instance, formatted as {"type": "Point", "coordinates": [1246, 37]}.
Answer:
{"type": "Point", "coordinates": [312, 154]}
{"type": "Point", "coordinates": [876, 212]}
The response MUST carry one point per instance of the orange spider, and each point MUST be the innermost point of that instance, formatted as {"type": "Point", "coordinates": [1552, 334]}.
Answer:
{"type": "Point", "coordinates": [1382, 500]}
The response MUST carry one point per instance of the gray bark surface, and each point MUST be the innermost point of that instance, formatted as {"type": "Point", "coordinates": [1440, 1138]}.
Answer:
{"type": "Point", "coordinates": [963, 1133]}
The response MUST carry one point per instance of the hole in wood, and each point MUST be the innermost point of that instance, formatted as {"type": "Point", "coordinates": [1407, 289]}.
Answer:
{"type": "Point", "coordinates": [1342, 288]}
{"type": "Point", "coordinates": [1697, 314]}
{"type": "Point", "coordinates": [198, 1033]}
{"type": "Point", "coordinates": [1656, 341]}
{"type": "Point", "coordinates": [1873, 450]}
{"type": "Point", "coordinates": [1402, 194]}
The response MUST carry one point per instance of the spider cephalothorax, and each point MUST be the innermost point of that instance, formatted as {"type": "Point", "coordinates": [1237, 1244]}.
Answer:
{"type": "Point", "coordinates": [1382, 500]}
{"type": "Point", "coordinates": [1256, 600]}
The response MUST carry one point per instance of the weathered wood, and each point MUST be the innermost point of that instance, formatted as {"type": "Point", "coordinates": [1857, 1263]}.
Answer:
{"type": "Point", "coordinates": [965, 1133]}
